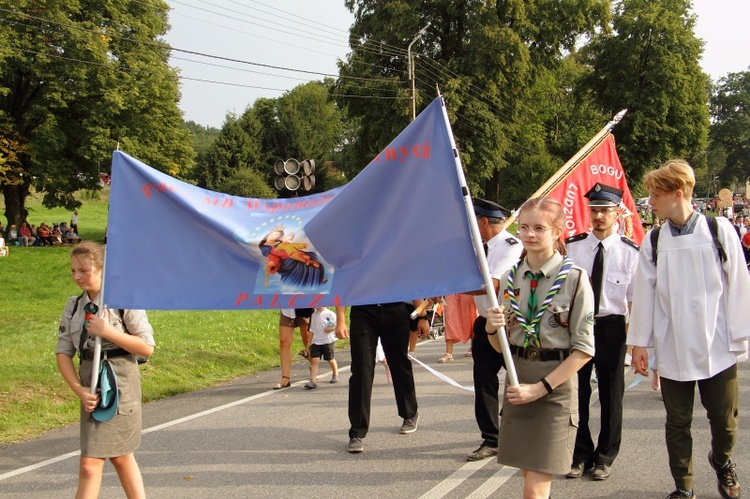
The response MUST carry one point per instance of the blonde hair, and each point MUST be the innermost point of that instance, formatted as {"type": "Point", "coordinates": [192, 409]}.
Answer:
{"type": "Point", "coordinates": [91, 250]}
{"type": "Point", "coordinates": [674, 175]}
{"type": "Point", "coordinates": [555, 215]}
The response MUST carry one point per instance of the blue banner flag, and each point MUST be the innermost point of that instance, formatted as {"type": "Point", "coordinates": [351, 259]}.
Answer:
{"type": "Point", "coordinates": [397, 231]}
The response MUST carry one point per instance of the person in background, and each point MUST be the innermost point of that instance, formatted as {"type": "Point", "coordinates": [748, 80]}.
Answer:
{"type": "Point", "coordinates": [459, 314]}
{"type": "Point", "coordinates": [610, 260]}
{"type": "Point", "coordinates": [13, 236]}
{"type": "Point", "coordinates": [3, 247]}
{"type": "Point", "coordinates": [548, 306]}
{"type": "Point", "coordinates": [503, 250]}
{"type": "Point", "coordinates": [290, 318]}
{"type": "Point", "coordinates": [25, 235]}
{"type": "Point", "coordinates": [323, 329]}
{"type": "Point", "coordinates": [122, 338]}
{"type": "Point", "coordinates": [690, 305]}
{"type": "Point", "coordinates": [74, 221]}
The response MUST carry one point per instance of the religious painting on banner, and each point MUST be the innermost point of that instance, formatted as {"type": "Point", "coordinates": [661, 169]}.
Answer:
{"type": "Point", "coordinates": [601, 165]}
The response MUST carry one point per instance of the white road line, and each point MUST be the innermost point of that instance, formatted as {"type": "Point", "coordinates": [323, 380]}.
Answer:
{"type": "Point", "coordinates": [455, 479]}
{"type": "Point", "coordinates": [42, 464]}
{"type": "Point", "coordinates": [495, 482]}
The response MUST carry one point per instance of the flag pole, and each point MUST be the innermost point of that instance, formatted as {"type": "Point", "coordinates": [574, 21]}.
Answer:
{"type": "Point", "coordinates": [476, 240]}
{"type": "Point", "coordinates": [98, 340]}
{"type": "Point", "coordinates": [572, 163]}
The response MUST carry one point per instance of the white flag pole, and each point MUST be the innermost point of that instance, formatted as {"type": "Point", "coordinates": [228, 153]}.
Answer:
{"type": "Point", "coordinates": [476, 239]}
{"type": "Point", "coordinates": [98, 340]}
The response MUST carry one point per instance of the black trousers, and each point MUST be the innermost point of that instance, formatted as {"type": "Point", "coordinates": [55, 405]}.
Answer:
{"type": "Point", "coordinates": [390, 323]}
{"type": "Point", "coordinates": [609, 359]}
{"type": "Point", "coordinates": [487, 365]}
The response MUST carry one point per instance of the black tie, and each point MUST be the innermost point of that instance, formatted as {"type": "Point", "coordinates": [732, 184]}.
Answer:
{"type": "Point", "coordinates": [486, 248]}
{"type": "Point", "coordinates": [596, 276]}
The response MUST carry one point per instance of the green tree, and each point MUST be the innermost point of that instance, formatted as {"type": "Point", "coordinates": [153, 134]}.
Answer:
{"type": "Point", "coordinates": [730, 130]}
{"type": "Point", "coordinates": [487, 58]}
{"type": "Point", "coordinates": [649, 64]}
{"type": "Point", "coordinates": [77, 79]}
{"type": "Point", "coordinates": [203, 137]}
{"type": "Point", "coordinates": [237, 147]}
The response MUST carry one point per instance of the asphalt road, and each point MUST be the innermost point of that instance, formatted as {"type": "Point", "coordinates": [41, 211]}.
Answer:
{"type": "Point", "coordinates": [244, 440]}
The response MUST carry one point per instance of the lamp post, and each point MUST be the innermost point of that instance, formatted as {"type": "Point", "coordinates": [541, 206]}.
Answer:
{"type": "Point", "coordinates": [411, 73]}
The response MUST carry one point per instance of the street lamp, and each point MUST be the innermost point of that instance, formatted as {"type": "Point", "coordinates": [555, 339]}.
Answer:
{"type": "Point", "coordinates": [411, 73]}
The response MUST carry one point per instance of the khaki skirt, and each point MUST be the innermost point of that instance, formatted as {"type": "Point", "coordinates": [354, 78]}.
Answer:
{"type": "Point", "coordinates": [540, 436]}
{"type": "Point", "coordinates": [122, 434]}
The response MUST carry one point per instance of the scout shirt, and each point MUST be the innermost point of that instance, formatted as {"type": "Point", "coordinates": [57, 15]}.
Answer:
{"type": "Point", "coordinates": [503, 251]}
{"type": "Point", "coordinates": [69, 334]}
{"type": "Point", "coordinates": [620, 263]}
{"type": "Point", "coordinates": [575, 290]}
{"type": "Point", "coordinates": [691, 307]}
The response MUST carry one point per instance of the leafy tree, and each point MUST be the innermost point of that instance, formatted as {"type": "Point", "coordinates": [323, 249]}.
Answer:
{"type": "Point", "coordinates": [77, 79]}
{"type": "Point", "coordinates": [303, 124]}
{"type": "Point", "coordinates": [203, 137]}
{"type": "Point", "coordinates": [248, 183]}
{"type": "Point", "coordinates": [487, 58]}
{"type": "Point", "coordinates": [730, 112]}
{"type": "Point", "coordinates": [650, 65]}
{"type": "Point", "coordinates": [237, 147]}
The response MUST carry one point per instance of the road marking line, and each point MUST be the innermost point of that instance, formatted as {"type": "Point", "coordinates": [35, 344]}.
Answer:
{"type": "Point", "coordinates": [455, 479]}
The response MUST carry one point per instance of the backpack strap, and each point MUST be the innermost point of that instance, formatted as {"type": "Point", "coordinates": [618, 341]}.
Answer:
{"type": "Point", "coordinates": [713, 226]}
{"type": "Point", "coordinates": [75, 305]}
{"type": "Point", "coordinates": [654, 236]}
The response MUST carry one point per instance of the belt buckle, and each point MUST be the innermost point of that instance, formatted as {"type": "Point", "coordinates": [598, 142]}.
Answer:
{"type": "Point", "coordinates": [532, 353]}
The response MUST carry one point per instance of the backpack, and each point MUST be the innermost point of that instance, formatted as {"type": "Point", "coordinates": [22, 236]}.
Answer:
{"type": "Point", "coordinates": [140, 359]}
{"type": "Point", "coordinates": [713, 227]}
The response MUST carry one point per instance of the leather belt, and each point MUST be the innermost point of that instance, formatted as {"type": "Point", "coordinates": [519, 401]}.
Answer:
{"type": "Point", "coordinates": [106, 354]}
{"type": "Point", "coordinates": [540, 354]}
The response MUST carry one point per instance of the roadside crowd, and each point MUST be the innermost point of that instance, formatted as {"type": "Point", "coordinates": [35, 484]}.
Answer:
{"type": "Point", "coordinates": [44, 235]}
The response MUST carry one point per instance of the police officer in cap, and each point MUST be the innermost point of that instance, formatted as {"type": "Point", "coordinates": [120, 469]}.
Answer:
{"type": "Point", "coordinates": [503, 251]}
{"type": "Point", "coordinates": [611, 260]}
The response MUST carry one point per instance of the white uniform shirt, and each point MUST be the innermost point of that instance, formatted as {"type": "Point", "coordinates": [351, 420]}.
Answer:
{"type": "Point", "coordinates": [503, 251]}
{"type": "Point", "coordinates": [620, 263]}
{"type": "Point", "coordinates": [691, 308]}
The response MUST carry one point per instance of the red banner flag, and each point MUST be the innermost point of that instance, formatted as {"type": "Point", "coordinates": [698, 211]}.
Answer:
{"type": "Point", "coordinates": [601, 165]}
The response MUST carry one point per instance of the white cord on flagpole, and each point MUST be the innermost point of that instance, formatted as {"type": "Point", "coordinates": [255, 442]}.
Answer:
{"type": "Point", "coordinates": [476, 239]}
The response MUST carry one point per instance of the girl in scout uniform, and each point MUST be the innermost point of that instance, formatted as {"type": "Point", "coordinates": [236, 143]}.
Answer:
{"type": "Point", "coordinates": [122, 339]}
{"type": "Point", "coordinates": [548, 307]}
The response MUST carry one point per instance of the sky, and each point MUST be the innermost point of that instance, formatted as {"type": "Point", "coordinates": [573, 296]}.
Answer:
{"type": "Point", "coordinates": [263, 48]}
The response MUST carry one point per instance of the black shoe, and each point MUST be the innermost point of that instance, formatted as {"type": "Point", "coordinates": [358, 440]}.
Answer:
{"type": "Point", "coordinates": [682, 494]}
{"type": "Point", "coordinates": [601, 472]}
{"type": "Point", "coordinates": [355, 445]}
{"type": "Point", "coordinates": [483, 452]}
{"type": "Point", "coordinates": [578, 469]}
{"type": "Point", "coordinates": [409, 425]}
{"type": "Point", "coordinates": [729, 485]}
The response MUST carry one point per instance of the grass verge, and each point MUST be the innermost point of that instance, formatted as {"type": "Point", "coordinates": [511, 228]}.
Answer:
{"type": "Point", "coordinates": [195, 349]}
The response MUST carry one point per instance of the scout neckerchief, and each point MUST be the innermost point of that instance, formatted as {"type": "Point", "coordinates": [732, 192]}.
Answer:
{"type": "Point", "coordinates": [530, 324]}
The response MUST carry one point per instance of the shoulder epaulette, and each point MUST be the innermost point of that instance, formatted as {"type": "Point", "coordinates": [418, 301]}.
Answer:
{"type": "Point", "coordinates": [577, 237]}
{"type": "Point", "coordinates": [630, 242]}
{"type": "Point", "coordinates": [511, 240]}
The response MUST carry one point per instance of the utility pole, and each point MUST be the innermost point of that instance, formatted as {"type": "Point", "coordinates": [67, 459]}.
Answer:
{"type": "Point", "coordinates": [411, 73]}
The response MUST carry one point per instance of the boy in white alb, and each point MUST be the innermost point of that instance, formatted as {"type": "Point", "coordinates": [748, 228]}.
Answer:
{"type": "Point", "coordinates": [688, 305]}
{"type": "Point", "coordinates": [323, 328]}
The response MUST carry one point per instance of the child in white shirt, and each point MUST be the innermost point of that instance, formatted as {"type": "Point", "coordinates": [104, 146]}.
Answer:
{"type": "Point", "coordinates": [323, 328]}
